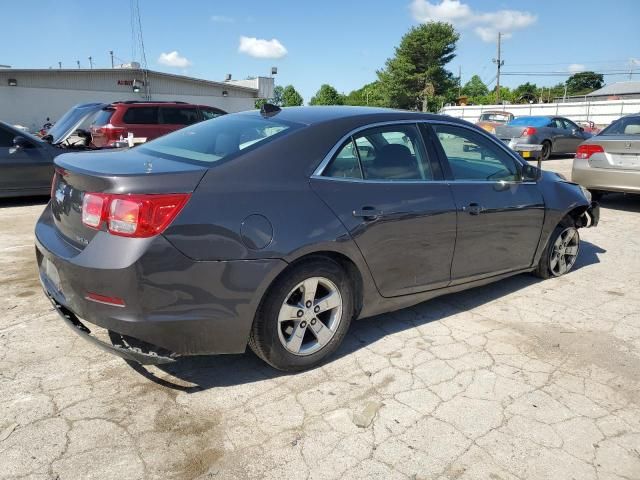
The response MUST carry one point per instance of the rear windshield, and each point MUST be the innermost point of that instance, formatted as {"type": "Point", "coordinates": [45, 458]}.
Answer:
{"type": "Point", "coordinates": [219, 138]}
{"type": "Point", "coordinates": [103, 117]}
{"type": "Point", "coordinates": [529, 122]}
{"type": "Point", "coordinates": [623, 126]}
{"type": "Point", "coordinates": [494, 117]}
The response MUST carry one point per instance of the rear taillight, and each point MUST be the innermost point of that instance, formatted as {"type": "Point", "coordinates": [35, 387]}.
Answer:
{"type": "Point", "coordinates": [584, 152]}
{"type": "Point", "coordinates": [132, 215]}
{"type": "Point", "coordinates": [113, 133]}
{"type": "Point", "coordinates": [529, 131]}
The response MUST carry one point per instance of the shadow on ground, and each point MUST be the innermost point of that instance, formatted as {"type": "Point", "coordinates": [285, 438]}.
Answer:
{"type": "Point", "coordinates": [621, 201]}
{"type": "Point", "coordinates": [194, 374]}
{"type": "Point", "coordinates": [23, 201]}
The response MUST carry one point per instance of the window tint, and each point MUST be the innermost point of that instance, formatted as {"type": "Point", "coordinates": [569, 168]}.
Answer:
{"type": "Point", "coordinates": [557, 123]}
{"type": "Point", "coordinates": [6, 138]}
{"type": "Point", "coordinates": [141, 115]}
{"type": "Point", "coordinates": [209, 113]}
{"type": "Point", "coordinates": [474, 157]}
{"type": "Point", "coordinates": [178, 115]}
{"type": "Point", "coordinates": [569, 125]}
{"type": "Point", "coordinates": [623, 126]}
{"type": "Point", "coordinates": [210, 142]}
{"type": "Point", "coordinates": [103, 117]}
{"type": "Point", "coordinates": [345, 164]}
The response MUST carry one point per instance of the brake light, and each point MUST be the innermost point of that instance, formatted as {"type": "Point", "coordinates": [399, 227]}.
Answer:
{"type": "Point", "coordinates": [111, 132]}
{"type": "Point", "coordinates": [138, 216]}
{"type": "Point", "coordinates": [529, 131]}
{"type": "Point", "coordinates": [584, 152]}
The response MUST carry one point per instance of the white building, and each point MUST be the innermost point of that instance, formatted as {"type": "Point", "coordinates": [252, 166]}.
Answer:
{"type": "Point", "coordinates": [29, 96]}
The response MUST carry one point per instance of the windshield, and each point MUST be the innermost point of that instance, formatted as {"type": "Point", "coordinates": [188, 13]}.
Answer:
{"type": "Point", "coordinates": [72, 120]}
{"type": "Point", "coordinates": [529, 122]}
{"type": "Point", "coordinates": [494, 117]}
{"type": "Point", "coordinates": [623, 126]}
{"type": "Point", "coordinates": [219, 138]}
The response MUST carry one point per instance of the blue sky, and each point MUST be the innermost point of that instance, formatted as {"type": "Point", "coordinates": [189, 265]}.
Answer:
{"type": "Point", "coordinates": [336, 42]}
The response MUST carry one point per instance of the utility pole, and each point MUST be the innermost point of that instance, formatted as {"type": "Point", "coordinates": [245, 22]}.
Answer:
{"type": "Point", "coordinates": [499, 62]}
{"type": "Point", "coordinates": [111, 53]}
{"type": "Point", "coordinates": [78, 62]}
{"type": "Point", "coordinates": [60, 65]}
{"type": "Point", "coordinates": [459, 81]}
{"type": "Point", "coordinates": [90, 62]}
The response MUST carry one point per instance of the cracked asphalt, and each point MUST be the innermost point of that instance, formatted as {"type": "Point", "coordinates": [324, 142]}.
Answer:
{"type": "Point", "coordinates": [522, 379]}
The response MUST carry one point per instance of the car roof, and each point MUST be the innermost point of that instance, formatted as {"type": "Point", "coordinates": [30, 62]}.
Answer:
{"type": "Point", "coordinates": [319, 114]}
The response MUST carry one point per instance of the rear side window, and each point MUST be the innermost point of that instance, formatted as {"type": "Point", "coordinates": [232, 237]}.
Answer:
{"type": "Point", "coordinates": [103, 117]}
{"type": "Point", "coordinates": [345, 164]}
{"type": "Point", "coordinates": [218, 139]}
{"type": "Point", "coordinates": [178, 115]}
{"type": "Point", "coordinates": [209, 113]}
{"type": "Point", "coordinates": [141, 115]}
{"type": "Point", "coordinates": [623, 126]}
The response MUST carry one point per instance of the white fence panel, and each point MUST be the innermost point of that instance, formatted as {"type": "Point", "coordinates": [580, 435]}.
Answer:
{"type": "Point", "coordinates": [601, 112]}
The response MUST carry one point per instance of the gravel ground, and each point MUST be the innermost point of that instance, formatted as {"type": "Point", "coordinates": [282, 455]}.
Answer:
{"type": "Point", "coordinates": [520, 379]}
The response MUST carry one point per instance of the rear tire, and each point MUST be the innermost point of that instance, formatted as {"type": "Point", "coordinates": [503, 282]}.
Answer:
{"type": "Point", "coordinates": [304, 316]}
{"type": "Point", "coordinates": [561, 252]}
{"type": "Point", "coordinates": [546, 150]}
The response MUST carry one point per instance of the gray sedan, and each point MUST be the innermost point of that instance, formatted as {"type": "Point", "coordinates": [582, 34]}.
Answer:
{"type": "Point", "coordinates": [610, 161]}
{"type": "Point", "coordinates": [555, 134]}
{"type": "Point", "coordinates": [275, 229]}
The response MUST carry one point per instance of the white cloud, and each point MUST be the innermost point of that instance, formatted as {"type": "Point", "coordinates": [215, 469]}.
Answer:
{"type": "Point", "coordinates": [173, 59]}
{"type": "Point", "coordinates": [260, 48]}
{"type": "Point", "coordinates": [486, 24]}
{"type": "Point", "coordinates": [221, 19]}
{"type": "Point", "coordinates": [576, 67]}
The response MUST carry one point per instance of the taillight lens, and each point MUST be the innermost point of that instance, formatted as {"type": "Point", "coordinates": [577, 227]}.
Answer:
{"type": "Point", "coordinates": [93, 209]}
{"type": "Point", "coordinates": [138, 216]}
{"type": "Point", "coordinates": [584, 152]}
{"type": "Point", "coordinates": [529, 131]}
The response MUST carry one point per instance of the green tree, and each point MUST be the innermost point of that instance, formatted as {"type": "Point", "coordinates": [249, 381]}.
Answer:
{"type": "Point", "coordinates": [327, 95]}
{"type": "Point", "coordinates": [525, 93]}
{"type": "Point", "coordinates": [369, 95]}
{"type": "Point", "coordinates": [415, 76]}
{"type": "Point", "coordinates": [584, 82]}
{"type": "Point", "coordinates": [291, 97]}
{"type": "Point", "coordinates": [276, 99]}
{"type": "Point", "coordinates": [475, 87]}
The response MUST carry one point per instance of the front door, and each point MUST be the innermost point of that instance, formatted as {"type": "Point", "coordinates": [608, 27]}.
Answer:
{"type": "Point", "coordinates": [499, 216]}
{"type": "Point", "coordinates": [23, 168]}
{"type": "Point", "coordinates": [381, 185]}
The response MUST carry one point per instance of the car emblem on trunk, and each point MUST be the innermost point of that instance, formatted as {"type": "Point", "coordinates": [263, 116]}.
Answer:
{"type": "Point", "coordinates": [627, 145]}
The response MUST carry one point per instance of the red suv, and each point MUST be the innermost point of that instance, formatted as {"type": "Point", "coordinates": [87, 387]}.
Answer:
{"type": "Point", "coordinates": [146, 119]}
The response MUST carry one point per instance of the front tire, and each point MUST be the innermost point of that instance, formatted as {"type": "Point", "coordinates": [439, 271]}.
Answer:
{"type": "Point", "coordinates": [304, 316]}
{"type": "Point", "coordinates": [561, 252]}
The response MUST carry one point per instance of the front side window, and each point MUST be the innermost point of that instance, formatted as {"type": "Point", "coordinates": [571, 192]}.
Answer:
{"type": "Point", "coordinates": [473, 157]}
{"type": "Point", "coordinates": [141, 115]}
{"type": "Point", "coordinates": [393, 152]}
{"type": "Point", "coordinates": [219, 138]}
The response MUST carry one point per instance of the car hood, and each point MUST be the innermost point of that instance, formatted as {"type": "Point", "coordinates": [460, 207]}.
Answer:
{"type": "Point", "coordinates": [71, 120]}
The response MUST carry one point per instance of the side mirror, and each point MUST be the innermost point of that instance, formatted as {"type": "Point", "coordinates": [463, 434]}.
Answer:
{"type": "Point", "coordinates": [21, 142]}
{"type": "Point", "coordinates": [531, 173]}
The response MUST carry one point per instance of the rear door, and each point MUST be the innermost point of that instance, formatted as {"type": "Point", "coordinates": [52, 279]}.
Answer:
{"type": "Point", "coordinates": [388, 193]}
{"type": "Point", "coordinates": [142, 121]}
{"type": "Point", "coordinates": [24, 168]}
{"type": "Point", "coordinates": [560, 136]}
{"type": "Point", "coordinates": [499, 216]}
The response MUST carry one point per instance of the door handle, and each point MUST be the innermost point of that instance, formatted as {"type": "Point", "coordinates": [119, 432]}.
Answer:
{"type": "Point", "coordinates": [367, 213]}
{"type": "Point", "coordinates": [473, 209]}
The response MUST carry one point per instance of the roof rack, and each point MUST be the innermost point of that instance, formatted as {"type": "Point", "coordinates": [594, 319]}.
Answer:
{"type": "Point", "coordinates": [128, 102]}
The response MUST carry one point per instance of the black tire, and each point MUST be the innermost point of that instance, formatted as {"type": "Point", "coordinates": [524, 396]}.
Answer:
{"type": "Point", "coordinates": [544, 268]}
{"type": "Point", "coordinates": [546, 150]}
{"type": "Point", "coordinates": [265, 339]}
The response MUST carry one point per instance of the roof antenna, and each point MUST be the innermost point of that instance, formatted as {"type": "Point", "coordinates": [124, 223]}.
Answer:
{"type": "Point", "coordinates": [269, 109]}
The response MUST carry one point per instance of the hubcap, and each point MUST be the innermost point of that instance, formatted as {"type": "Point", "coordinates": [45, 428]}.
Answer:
{"type": "Point", "coordinates": [564, 252]}
{"type": "Point", "coordinates": [320, 302]}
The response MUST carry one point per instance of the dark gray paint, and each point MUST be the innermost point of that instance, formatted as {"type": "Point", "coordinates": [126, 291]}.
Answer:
{"type": "Point", "coordinates": [196, 288]}
{"type": "Point", "coordinates": [563, 140]}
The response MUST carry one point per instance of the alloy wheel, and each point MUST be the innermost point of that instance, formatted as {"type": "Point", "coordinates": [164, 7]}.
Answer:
{"type": "Point", "coordinates": [565, 251]}
{"type": "Point", "coordinates": [309, 316]}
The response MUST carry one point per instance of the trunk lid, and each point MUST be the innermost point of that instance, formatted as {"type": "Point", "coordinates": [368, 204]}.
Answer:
{"type": "Point", "coordinates": [620, 152]}
{"type": "Point", "coordinates": [124, 172]}
{"type": "Point", "coordinates": [507, 132]}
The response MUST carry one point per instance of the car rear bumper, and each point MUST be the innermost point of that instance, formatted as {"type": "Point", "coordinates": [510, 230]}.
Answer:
{"type": "Point", "coordinates": [607, 179]}
{"type": "Point", "coordinates": [176, 305]}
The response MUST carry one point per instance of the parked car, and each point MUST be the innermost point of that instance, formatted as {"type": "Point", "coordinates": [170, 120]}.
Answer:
{"type": "Point", "coordinates": [146, 119]}
{"type": "Point", "coordinates": [491, 119]}
{"type": "Point", "coordinates": [26, 161]}
{"type": "Point", "coordinates": [610, 161]}
{"type": "Point", "coordinates": [589, 126]}
{"type": "Point", "coordinates": [555, 134]}
{"type": "Point", "coordinates": [276, 228]}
